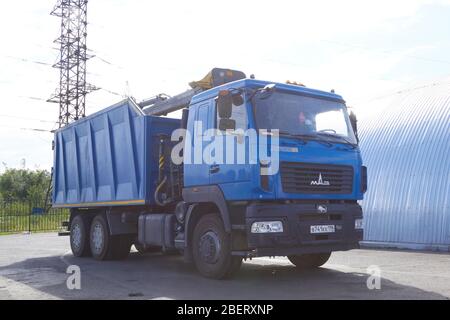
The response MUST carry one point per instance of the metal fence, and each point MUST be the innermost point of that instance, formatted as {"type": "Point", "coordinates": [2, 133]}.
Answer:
{"type": "Point", "coordinates": [30, 216]}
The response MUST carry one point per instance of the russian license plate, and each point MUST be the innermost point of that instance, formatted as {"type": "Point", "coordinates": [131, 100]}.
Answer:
{"type": "Point", "coordinates": [322, 229]}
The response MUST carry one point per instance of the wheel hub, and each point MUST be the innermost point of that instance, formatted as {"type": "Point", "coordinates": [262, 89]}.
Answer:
{"type": "Point", "coordinates": [76, 236]}
{"type": "Point", "coordinates": [209, 247]}
{"type": "Point", "coordinates": [97, 238]}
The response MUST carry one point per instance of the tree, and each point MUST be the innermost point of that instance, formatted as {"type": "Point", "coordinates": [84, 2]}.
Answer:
{"type": "Point", "coordinates": [20, 184]}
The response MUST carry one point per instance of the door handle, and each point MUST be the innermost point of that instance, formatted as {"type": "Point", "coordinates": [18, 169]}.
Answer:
{"type": "Point", "coordinates": [214, 168]}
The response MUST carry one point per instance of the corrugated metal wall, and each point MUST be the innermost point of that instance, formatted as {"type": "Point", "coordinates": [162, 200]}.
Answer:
{"type": "Point", "coordinates": [405, 143]}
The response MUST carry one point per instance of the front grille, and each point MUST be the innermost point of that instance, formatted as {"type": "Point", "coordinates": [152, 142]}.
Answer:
{"type": "Point", "coordinates": [312, 178]}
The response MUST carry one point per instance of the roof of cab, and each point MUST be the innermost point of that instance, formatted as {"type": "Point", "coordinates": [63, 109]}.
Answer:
{"type": "Point", "coordinates": [252, 83]}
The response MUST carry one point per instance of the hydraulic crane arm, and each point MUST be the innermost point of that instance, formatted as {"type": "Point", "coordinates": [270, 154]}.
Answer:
{"type": "Point", "coordinates": [163, 107]}
{"type": "Point", "coordinates": [162, 104]}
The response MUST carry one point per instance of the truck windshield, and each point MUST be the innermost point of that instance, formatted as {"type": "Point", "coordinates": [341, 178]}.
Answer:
{"type": "Point", "coordinates": [303, 116]}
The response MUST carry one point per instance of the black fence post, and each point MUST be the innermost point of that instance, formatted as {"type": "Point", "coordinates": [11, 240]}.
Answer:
{"type": "Point", "coordinates": [29, 216]}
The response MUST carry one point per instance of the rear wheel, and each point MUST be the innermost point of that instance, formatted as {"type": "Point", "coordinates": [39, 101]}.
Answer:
{"type": "Point", "coordinates": [79, 236]}
{"type": "Point", "coordinates": [211, 249]}
{"type": "Point", "coordinates": [309, 261]}
{"type": "Point", "coordinates": [100, 239]}
{"type": "Point", "coordinates": [103, 245]}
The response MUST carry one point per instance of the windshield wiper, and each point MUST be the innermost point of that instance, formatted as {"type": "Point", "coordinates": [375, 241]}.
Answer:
{"type": "Point", "coordinates": [268, 89]}
{"type": "Point", "coordinates": [351, 144]}
{"type": "Point", "coordinates": [288, 134]}
{"type": "Point", "coordinates": [306, 137]}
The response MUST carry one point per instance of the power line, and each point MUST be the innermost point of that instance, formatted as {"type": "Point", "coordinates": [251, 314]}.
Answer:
{"type": "Point", "coordinates": [112, 92]}
{"type": "Point", "coordinates": [33, 98]}
{"type": "Point", "coordinates": [432, 84]}
{"type": "Point", "coordinates": [47, 64]}
{"type": "Point", "coordinates": [94, 54]}
{"type": "Point", "coordinates": [28, 60]}
{"type": "Point", "coordinates": [25, 118]}
{"type": "Point", "coordinates": [27, 129]}
{"type": "Point", "coordinates": [107, 62]}
{"type": "Point", "coordinates": [386, 52]}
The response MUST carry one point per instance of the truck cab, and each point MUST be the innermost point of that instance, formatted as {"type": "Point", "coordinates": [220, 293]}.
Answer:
{"type": "Point", "coordinates": [297, 198]}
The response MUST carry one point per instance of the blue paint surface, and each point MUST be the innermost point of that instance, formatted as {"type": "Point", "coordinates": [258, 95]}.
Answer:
{"type": "Point", "coordinates": [108, 157]}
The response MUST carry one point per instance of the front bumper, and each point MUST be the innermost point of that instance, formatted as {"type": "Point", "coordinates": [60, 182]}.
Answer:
{"type": "Point", "coordinates": [297, 219]}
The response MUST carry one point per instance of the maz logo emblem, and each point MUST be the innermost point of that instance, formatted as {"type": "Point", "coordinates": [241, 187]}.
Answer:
{"type": "Point", "coordinates": [322, 209]}
{"type": "Point", "coordinates": [320, 181]}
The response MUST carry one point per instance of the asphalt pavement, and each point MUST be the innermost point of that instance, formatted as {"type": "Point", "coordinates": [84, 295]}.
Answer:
{"type": "Point", "coordinates": [34, 267]}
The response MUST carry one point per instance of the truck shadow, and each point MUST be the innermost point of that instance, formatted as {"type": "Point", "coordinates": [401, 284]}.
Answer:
{"type": "Point", "coordinates": [156, 276]}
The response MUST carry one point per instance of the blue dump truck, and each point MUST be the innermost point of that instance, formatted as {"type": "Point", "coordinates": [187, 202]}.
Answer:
{"type": "Point", "coordinates": [253, 168]}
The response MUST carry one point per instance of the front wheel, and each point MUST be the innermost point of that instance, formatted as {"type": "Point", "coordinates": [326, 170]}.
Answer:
{"type": "Point", "coordinates": [211, 249]}
{"type": "Point", "coordinates": [309, 261]}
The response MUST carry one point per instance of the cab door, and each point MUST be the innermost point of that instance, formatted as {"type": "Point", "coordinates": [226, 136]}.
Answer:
{"type": "Point", "coordinates": [196, 171]}
{"type": "Point", "coordinates": [235, 168]}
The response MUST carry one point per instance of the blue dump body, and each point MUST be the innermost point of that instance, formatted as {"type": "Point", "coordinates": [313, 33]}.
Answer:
{"type": "Point", "coordinates": [109, 158]}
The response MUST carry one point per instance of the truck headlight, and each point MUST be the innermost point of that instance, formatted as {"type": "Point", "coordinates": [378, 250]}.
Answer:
{"type": "Point", "coordinates": [359, 224]}
{"type": "Point", "coordinates": [267, 227]}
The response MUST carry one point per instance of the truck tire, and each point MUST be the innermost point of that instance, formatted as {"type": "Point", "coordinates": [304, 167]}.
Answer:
{"type": "Point", "coordinates": [211, 249]}
{"type": "Point", "coordinates": [309, 261]}
{"type": "Point", "coordinates": [79, 236]}
{"type": "Point", "coordinates": [100, 239]}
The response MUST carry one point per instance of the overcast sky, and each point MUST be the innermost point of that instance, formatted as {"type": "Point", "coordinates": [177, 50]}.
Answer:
{"type": "Point", "coordinates": [362, 49]}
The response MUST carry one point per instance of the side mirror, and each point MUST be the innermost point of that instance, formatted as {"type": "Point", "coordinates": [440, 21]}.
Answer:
{"type": "Point", "coordinates": [354, 123]}
{"type": "Point", "coordinates": [224, 104]}
{"type": "Point", "coordinates": [227, 124]}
